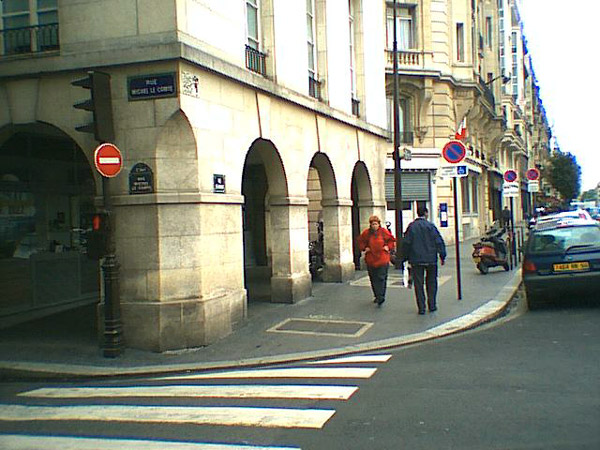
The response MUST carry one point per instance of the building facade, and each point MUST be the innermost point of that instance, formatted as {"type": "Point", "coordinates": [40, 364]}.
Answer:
{"type": "Point", "coordinates": [252, 121]}
{"type": "Point", "coordinates": [464, 73]}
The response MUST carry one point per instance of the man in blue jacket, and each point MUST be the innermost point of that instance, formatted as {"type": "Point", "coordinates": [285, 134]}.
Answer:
{"type": "Point", "coordinates": [422, 245]}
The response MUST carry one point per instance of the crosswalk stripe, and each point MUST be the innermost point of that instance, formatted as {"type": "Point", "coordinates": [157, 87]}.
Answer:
{"type": "Point", "coordinates": [354, 359]}
{"type": "Point", "coordinates": [199, 415]}
{"type": "Point", "coordinates": [291, 372]}
{"type": "Point", "coordinates": [215, 391]}
{"type": "Point", "coordinates": [27, 442]}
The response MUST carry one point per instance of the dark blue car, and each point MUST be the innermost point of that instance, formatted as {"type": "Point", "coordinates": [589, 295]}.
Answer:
{"type": "Point", "coordinates": [562, 259]}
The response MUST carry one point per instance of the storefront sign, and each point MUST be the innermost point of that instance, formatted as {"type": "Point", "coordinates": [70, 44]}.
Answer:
{"type": "Point", "coordinates": [141, 179]}
{"type": "Point", "coordinates": [147, 87]}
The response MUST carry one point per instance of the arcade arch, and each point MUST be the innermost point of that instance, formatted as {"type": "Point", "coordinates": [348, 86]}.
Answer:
{"type": "Point", "coordinates": [47, 191]}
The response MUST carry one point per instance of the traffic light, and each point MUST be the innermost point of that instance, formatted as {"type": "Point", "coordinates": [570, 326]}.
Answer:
{"type": "Point", "coordinates": [100, 104]}
{"type": "Point", "coordinates": [97, 238]}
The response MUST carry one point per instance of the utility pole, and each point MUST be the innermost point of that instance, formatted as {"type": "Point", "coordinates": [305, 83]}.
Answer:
{"type": "Point", "coordinates": [396, 153]}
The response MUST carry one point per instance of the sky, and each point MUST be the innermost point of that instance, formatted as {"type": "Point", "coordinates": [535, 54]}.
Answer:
{"type": "Point", "coordinates": [562, 38]}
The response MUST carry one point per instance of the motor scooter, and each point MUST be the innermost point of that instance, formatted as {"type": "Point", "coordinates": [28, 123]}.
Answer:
{"type": "Point", "coordinates": [491, 251]}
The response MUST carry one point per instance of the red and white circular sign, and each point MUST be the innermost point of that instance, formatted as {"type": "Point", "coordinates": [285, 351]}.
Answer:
{"type": "Point", "coordinates": [532, 174]}
{"type": "Point", "coordinates": [108, 160]}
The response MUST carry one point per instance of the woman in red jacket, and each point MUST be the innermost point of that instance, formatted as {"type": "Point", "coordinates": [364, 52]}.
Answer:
{"type": "Point", "coordinates": [377, 242]}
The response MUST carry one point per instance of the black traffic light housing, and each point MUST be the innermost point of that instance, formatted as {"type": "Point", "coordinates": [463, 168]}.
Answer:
{"type": "Point", "coordinates": [97, 237]}
{"type": "Point", "coordinates": [100, 104]}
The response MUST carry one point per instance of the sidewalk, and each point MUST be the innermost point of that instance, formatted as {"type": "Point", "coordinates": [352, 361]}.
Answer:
{"type": "Point", "coordinates": [340, 318]}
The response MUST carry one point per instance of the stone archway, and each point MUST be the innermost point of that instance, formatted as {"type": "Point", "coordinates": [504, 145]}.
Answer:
{"type": "Point", "coordinates": [47, 191]}
{"type": "Point", "coordinates": [361, 194]}
{"type": "Point", "coordinates": [272, 223]}
{"type": "Point", "coordinates": [334, 213]}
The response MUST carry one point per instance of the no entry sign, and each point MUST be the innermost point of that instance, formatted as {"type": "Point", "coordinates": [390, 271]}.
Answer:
{"type": "Point", "coordinates": [454, 152]}
{"type": "Point", "coordinates": [108, 160]}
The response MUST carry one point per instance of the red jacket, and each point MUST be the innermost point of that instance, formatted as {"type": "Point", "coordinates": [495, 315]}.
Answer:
{"type": "Point", "coordinates": [377, 256]}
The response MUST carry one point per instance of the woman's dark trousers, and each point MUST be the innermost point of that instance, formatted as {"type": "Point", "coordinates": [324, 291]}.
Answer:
{"type": "Point", "coordinates": [378, 277]}
{"type": "Point", "coordinates": [419, 272]}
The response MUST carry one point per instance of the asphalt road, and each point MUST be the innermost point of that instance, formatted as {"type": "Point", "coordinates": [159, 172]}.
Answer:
{"type": "Point", "coordinates": [529, 381]}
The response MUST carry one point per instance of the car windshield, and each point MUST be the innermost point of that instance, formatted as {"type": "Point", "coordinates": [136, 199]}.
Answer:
{"type": "Point", "coordinates": [565, 239]}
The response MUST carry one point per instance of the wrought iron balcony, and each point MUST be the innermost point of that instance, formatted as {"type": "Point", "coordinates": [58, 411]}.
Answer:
{"type": "Point", "coordinates": [34, 39]}
{"type": "Point", "coordinates": [255, 61]}
{"type": "Point", "coordinates": [355, 107]}
{"type": "Point", "coordinates": [314, 87]}
{"type": "Point", "coordinates": [488, 94]}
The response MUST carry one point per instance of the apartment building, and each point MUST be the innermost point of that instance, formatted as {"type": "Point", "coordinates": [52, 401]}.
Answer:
{"type": "Point", "coordinates": [463, 73]}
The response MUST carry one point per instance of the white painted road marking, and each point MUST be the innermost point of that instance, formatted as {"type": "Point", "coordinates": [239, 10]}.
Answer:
{"type": "Point", "coordinates": [354, 359]}
{"type": "Point", "coordinates": [215, 391]}
{"type": "Point", "coordinates": [293, 372]}
{"type": "Point", "coordinates": [28, 442]}
{"type": "Point", "coordinates": [198, 415]}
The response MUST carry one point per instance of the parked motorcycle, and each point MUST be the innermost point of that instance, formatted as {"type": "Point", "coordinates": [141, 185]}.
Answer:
{"type": "Point", "coordinates": [316, 254]}
{"type": "Point", "coordinates": [491, 251]}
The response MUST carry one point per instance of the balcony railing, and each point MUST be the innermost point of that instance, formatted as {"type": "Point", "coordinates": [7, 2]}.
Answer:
{"type": "Point", "coordinates": [34, 39]}
{"type": "Point", "coordinates": [255, 61]}
{"type": "Point", "coordinates": [355, 107]}
{"type": "Point", "coordinates": [314, 87]}
{"type": "Point", "coordinates": [411, 58]}
{"type": "Point", "coordinates": [488, 94]}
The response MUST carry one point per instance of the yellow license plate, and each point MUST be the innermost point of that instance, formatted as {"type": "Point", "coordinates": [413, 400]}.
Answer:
{"type": "Point", "coordinates": [572, 267]}
{"type": "Point", "coordinates": [476, 259]}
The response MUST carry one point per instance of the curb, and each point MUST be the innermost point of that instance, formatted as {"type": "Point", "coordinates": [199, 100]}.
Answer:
{"type": "Point", "coordinates": [485, 313]}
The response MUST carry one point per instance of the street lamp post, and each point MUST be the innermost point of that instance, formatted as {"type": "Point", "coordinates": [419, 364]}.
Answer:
{"type": "Point", "coordinates": [396, 153]}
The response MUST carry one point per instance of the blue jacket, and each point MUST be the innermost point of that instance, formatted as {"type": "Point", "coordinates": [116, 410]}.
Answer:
{"type": "Point", "coordinates": [423, 242]}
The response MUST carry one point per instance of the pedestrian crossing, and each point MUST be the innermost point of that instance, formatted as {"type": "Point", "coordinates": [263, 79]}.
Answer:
{"type": "Point", "coordinates": [317, 384]}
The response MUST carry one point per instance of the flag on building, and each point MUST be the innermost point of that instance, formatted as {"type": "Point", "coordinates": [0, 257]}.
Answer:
{"type": "Point", "coordinates": [461, 131]}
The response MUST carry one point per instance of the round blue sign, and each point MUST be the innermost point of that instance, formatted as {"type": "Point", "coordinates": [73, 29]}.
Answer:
{"type": "Point", "coordinates": [510, 175]}
{"type": "Point", "coordinates": [454, 152]}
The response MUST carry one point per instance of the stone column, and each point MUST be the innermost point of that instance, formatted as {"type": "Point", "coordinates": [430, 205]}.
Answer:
{"type": "Point", "coordinates": [290, 279]}
{"type": "Point", "coordinates": [337, 239]}
{"type": "Point", "coordinates": [181, 272]}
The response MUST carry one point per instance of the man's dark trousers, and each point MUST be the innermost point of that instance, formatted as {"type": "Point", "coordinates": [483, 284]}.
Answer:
{"type": "Point", "coordinates": [419, 271]}
{"type": "Point", "coordinates": [378, 278]}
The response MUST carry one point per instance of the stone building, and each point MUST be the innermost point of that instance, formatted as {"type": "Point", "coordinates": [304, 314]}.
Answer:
{"type": "Point", "coordinates": [254, 121]}
{"type": "Point", "coordinates": [231, 105]}
{"type": "Point", "coordinates": [463, 67]}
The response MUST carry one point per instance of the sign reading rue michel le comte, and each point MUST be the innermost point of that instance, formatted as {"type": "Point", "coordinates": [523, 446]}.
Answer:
{"type": "Point", "coordinates": [147, 87]}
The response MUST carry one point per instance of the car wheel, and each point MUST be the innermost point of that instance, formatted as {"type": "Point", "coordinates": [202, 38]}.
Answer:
{"type": "Point", "coordinates": [483, 267]}
{"type": "Point", "coordinates": [506, 266]}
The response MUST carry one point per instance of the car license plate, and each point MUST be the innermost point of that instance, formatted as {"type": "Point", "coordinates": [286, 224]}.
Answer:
{"type": "Point", "coordinates": [476, 259]}
{"type": "Point", "coordinates": [572, 267]}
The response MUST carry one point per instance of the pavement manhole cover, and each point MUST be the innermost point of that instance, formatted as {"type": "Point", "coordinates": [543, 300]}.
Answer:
{"type": "Point", "coordinates": [321, 327]}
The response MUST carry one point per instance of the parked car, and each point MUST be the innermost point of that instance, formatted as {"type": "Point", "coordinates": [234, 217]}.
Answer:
{"type": "Point", "coordinates": [562, 257]}
{"type": "Point", "coordinates": [575, 214]}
